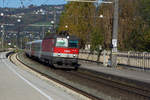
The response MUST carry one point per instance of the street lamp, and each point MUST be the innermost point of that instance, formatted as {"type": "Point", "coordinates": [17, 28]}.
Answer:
{"type": "Point", "coordinates": [53, 23]}
{"type": "Point", "coordinates": [2, 37]}
{"type": "Point", "coordinates": [2, 26]}
{"type": "Point", "coordinates": [18, 34]}
{"type": "Point", "coordinates": [67, 29]}
{"type": "Point", "coordinates": [2, 14]}
{"type": "Point", "coordinates": [66, 26]}
{"type": "Point", "coordinates": [18, 20]}
{"type": "Point", "coordinates": [101, 16]}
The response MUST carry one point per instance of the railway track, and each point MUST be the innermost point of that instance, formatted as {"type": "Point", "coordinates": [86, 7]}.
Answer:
{"type": "Point", "coordinates": [104, 87]}
{"type": "Point", "coordinates": [124, 87]}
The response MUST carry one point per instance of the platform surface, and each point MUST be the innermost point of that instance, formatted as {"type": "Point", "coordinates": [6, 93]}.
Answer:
{"type": "Point", "coordinates": [18, 84]}
{"type": "Point", "coordinates": [125, 73]}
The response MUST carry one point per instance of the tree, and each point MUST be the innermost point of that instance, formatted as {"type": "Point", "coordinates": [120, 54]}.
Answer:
{"type": "Point", "coordinates": [134, 24]}
{"type": "Point", "coordinates": [145, 10]}
{"type": "Point", "coordinates": [146, 41]}
{"type": "Point", "coordinates": [105, 23]}
{"type": "Point", "coordinates": [96, 39]}
{"type": "Point", "coordinates": [79, 19]}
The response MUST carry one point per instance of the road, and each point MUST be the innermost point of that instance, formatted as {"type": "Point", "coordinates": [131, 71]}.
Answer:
{"type": "Point", "coordinates": [19, 84]}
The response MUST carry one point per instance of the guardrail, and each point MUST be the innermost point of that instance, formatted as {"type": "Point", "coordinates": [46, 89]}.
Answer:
{"type": "Point", "coordinates": [131, 59]}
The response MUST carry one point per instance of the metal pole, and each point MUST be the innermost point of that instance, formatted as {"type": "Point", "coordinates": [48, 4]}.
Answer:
{"type": "Point", "coordinates": [18, 34]}
{"type": "Point", "coordinates": [104, 61]}
{"type": "Point", "coordinates": [3, 37]}
{"type": "Point", "coordinates": [115, 35]}
{"type": "Point", "coordinates": [21, 42]}
{"type": "Point", "coordinates": [43, 31]}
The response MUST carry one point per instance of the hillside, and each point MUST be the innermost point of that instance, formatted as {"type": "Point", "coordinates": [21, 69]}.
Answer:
{"type": "Point", "coordinates": [43, 14]}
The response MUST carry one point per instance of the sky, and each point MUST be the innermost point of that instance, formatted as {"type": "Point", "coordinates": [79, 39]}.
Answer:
{"type": "Point", "coordinates": [17, 3]}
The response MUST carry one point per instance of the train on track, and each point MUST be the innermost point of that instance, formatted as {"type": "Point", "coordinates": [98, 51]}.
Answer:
{"type": "Point", "coordinates": [55, 49]}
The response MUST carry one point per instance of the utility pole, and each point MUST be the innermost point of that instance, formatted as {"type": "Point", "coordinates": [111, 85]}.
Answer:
{"type": "Point", "coordinates": [115, 35]}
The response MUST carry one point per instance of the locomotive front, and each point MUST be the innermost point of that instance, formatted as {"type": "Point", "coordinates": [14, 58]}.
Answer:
{"type": "Point", "coordinates": [66, 50]}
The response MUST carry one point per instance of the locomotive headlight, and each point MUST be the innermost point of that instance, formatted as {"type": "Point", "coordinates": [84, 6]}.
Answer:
{"type": "Point", "coordinates": [67, 37]}
{"type": "Point", "coordinates": [74, 55]}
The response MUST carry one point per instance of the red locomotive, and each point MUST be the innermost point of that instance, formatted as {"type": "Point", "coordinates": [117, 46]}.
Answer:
{"type": "Point", "coordinates": [55, 49]}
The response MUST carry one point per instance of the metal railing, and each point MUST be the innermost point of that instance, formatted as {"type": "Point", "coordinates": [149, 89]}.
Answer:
{"type": "Point", "coordinates": [139, 60]}
{"type": "Point", "coordinates": [135, 59]}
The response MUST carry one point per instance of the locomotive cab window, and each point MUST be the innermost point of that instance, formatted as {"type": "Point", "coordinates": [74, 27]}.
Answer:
{"type": "Point", "coordinates": [61, 42]}
{"type": "Point", "coordinates": [73, 44]}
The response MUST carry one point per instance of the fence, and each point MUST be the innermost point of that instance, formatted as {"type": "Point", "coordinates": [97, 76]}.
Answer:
{"type": "Point", "coordinates": [133, 59]}
{"type": "Point", "coordinates": [93, 56]}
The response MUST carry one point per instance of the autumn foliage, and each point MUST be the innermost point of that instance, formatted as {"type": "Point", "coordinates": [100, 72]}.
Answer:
{"type": "Point", "coordinates": [83, 20]}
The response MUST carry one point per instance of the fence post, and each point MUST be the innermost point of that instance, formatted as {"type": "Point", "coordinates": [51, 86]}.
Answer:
{"type": "Point", "coordinates": [128, 63]}
{"type": "Point", "coordinates": [148, 60]}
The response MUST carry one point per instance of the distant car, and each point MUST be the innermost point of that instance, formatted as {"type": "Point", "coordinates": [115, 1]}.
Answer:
{"type": "Point", "coordinates": [55, 49]}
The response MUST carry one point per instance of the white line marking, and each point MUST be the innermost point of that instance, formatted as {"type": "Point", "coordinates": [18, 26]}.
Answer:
{"type": "Point", "coordinates": [29, 83]}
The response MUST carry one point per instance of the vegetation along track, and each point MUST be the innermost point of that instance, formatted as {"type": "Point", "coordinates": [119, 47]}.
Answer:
{"type": "Point", "coordinates": [87, 83]}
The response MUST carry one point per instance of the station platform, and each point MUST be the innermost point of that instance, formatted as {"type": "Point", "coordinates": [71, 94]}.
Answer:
{"type": "Point", "coordinates": [17, 83]}
{"type": "Point", "coordinates": [122, 75]}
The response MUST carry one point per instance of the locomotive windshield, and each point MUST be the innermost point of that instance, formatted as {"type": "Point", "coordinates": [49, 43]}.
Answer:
{"type": "Point", "coordinates": [73, 43]}
{"type": "Point", "coordinates": [62, 42]}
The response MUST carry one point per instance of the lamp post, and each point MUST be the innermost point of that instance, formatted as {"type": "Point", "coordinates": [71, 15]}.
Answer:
{"type": "Point", "coordinates": [53, 23]}
{"type": "Point", "coordinates": [66, 26]}
{"type": "Point", "coordinates": [3, 30]}
{"type": "Point", "coordinates": [18, 34]}
{"type": "Point", "coordinates": [2, 14]}
{"type": "Point", "coordinates": [2, 37]}
{"type": "Point", "coordinates": [100, 16]}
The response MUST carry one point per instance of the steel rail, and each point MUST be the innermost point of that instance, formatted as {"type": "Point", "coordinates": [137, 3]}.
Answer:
{"type": "Point", "coordinates": [115, 84]}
